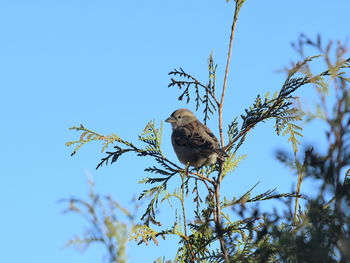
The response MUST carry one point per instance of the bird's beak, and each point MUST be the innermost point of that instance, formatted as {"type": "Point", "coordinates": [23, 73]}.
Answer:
{"type": "Point", "coordinates": [170, 119]}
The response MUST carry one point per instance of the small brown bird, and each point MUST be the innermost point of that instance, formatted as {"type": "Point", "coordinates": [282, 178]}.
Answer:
{"type": "Point", "coordinates": [193, 142]}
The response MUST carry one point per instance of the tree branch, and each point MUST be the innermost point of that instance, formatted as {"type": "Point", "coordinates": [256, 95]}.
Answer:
{"type": "Point", "coordinates": [221, 104]}
{"type": "Point", "coordinates": [217, 210]}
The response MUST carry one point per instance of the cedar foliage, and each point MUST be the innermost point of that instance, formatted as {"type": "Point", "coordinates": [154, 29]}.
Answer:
{"type": "Point", "coordinates": [318, 231]}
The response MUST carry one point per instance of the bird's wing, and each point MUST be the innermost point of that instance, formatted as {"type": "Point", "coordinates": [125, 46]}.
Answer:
{"type": "Point", "coordinates": [196, 135]}
{"type": "Point", "coordinates": [208, 140]}
{"type": "Point", "coordinates": [209, 136]}
{"type": "Point", "coordinates": [216, 145]}
{"type": "Point", "coordinates": [181, 136]}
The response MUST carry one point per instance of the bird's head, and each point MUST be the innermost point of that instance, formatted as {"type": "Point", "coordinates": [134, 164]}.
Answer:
{"type": "Point", "coordinates": [181, 117]}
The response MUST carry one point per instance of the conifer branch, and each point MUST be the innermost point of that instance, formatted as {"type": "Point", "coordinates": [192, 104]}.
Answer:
{"type": "Point", "coordinates": [245, 240]}
{"type": "Point", "coordinates": [280, 105]}
{"type": "Point", "coordinates": [208, 99]}
{"type": "Point", "coordinates": [186, 84]}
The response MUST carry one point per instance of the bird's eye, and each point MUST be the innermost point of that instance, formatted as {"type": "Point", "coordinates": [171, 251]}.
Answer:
{"type": "Point", "coordinates": [179, 117]}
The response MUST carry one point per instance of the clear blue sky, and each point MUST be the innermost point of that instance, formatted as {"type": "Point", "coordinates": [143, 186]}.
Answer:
{"type": "Point", "coordinates": [104, 64]}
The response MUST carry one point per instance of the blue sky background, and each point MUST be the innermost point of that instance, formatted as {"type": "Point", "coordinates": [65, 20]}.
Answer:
{"type": "Point", "coordinates": [104, 64]}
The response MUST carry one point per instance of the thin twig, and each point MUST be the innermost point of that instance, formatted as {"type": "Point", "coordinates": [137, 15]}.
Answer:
{"type": "Point", "coordinates": [300, 179]}
{"type": "Point", "coordinates": [217, 210]}
{"type": "Point", "coordinates": [203, 178]}
{"type": "Point", "coordinates": [217, 217]}
{"type": "Point", "coordinates": [183, 203]}
{"type": "Point", "coordinates": [210, 190]}
{"type": "Point", "coordinates": [220, 106]}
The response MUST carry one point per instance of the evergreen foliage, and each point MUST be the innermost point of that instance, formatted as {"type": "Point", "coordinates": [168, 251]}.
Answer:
{"type": "Point", "coordinates": [229, 229]}
{"type": "Point", "coordinates": [105, 228]}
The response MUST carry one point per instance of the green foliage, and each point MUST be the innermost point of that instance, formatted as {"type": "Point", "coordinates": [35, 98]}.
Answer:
{"type": "Point", "coordinates": [209, 106]}
{"type": "Point", "coordinates": [153, 138]}
{"type": "Point", "coordinates": [232, 131]}
{"type": "Point", "coordinates": [246, 197]}
{"type": "Point", "coordinates": [144, 233]}
{"type": "Point", "coordinates": [161, 260]}
{"type": "Point", "coordinates": [231, 163]}
{"type": "Point", "coordinates": [219, 229]}
{"type": "Point", "coordinates": [102, 215]}
{"type": "Point", "coordinates": [246, 239]}
{"type": "Point", "coordinates": [279, 107]}
{"type": "Point", "coordinates": [320, 233]}
{"type": "Point", "coordinates": [187, 81]}
{"type": "Point", "coordinates": [285, 123]}
{"type": "Point", "coordinates": [154, 193]}
{"type": "Point", "coordinates": [88, 136]}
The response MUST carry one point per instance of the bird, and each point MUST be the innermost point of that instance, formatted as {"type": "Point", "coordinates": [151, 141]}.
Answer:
{"type": "Point", "coordinates": [193, 142]}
